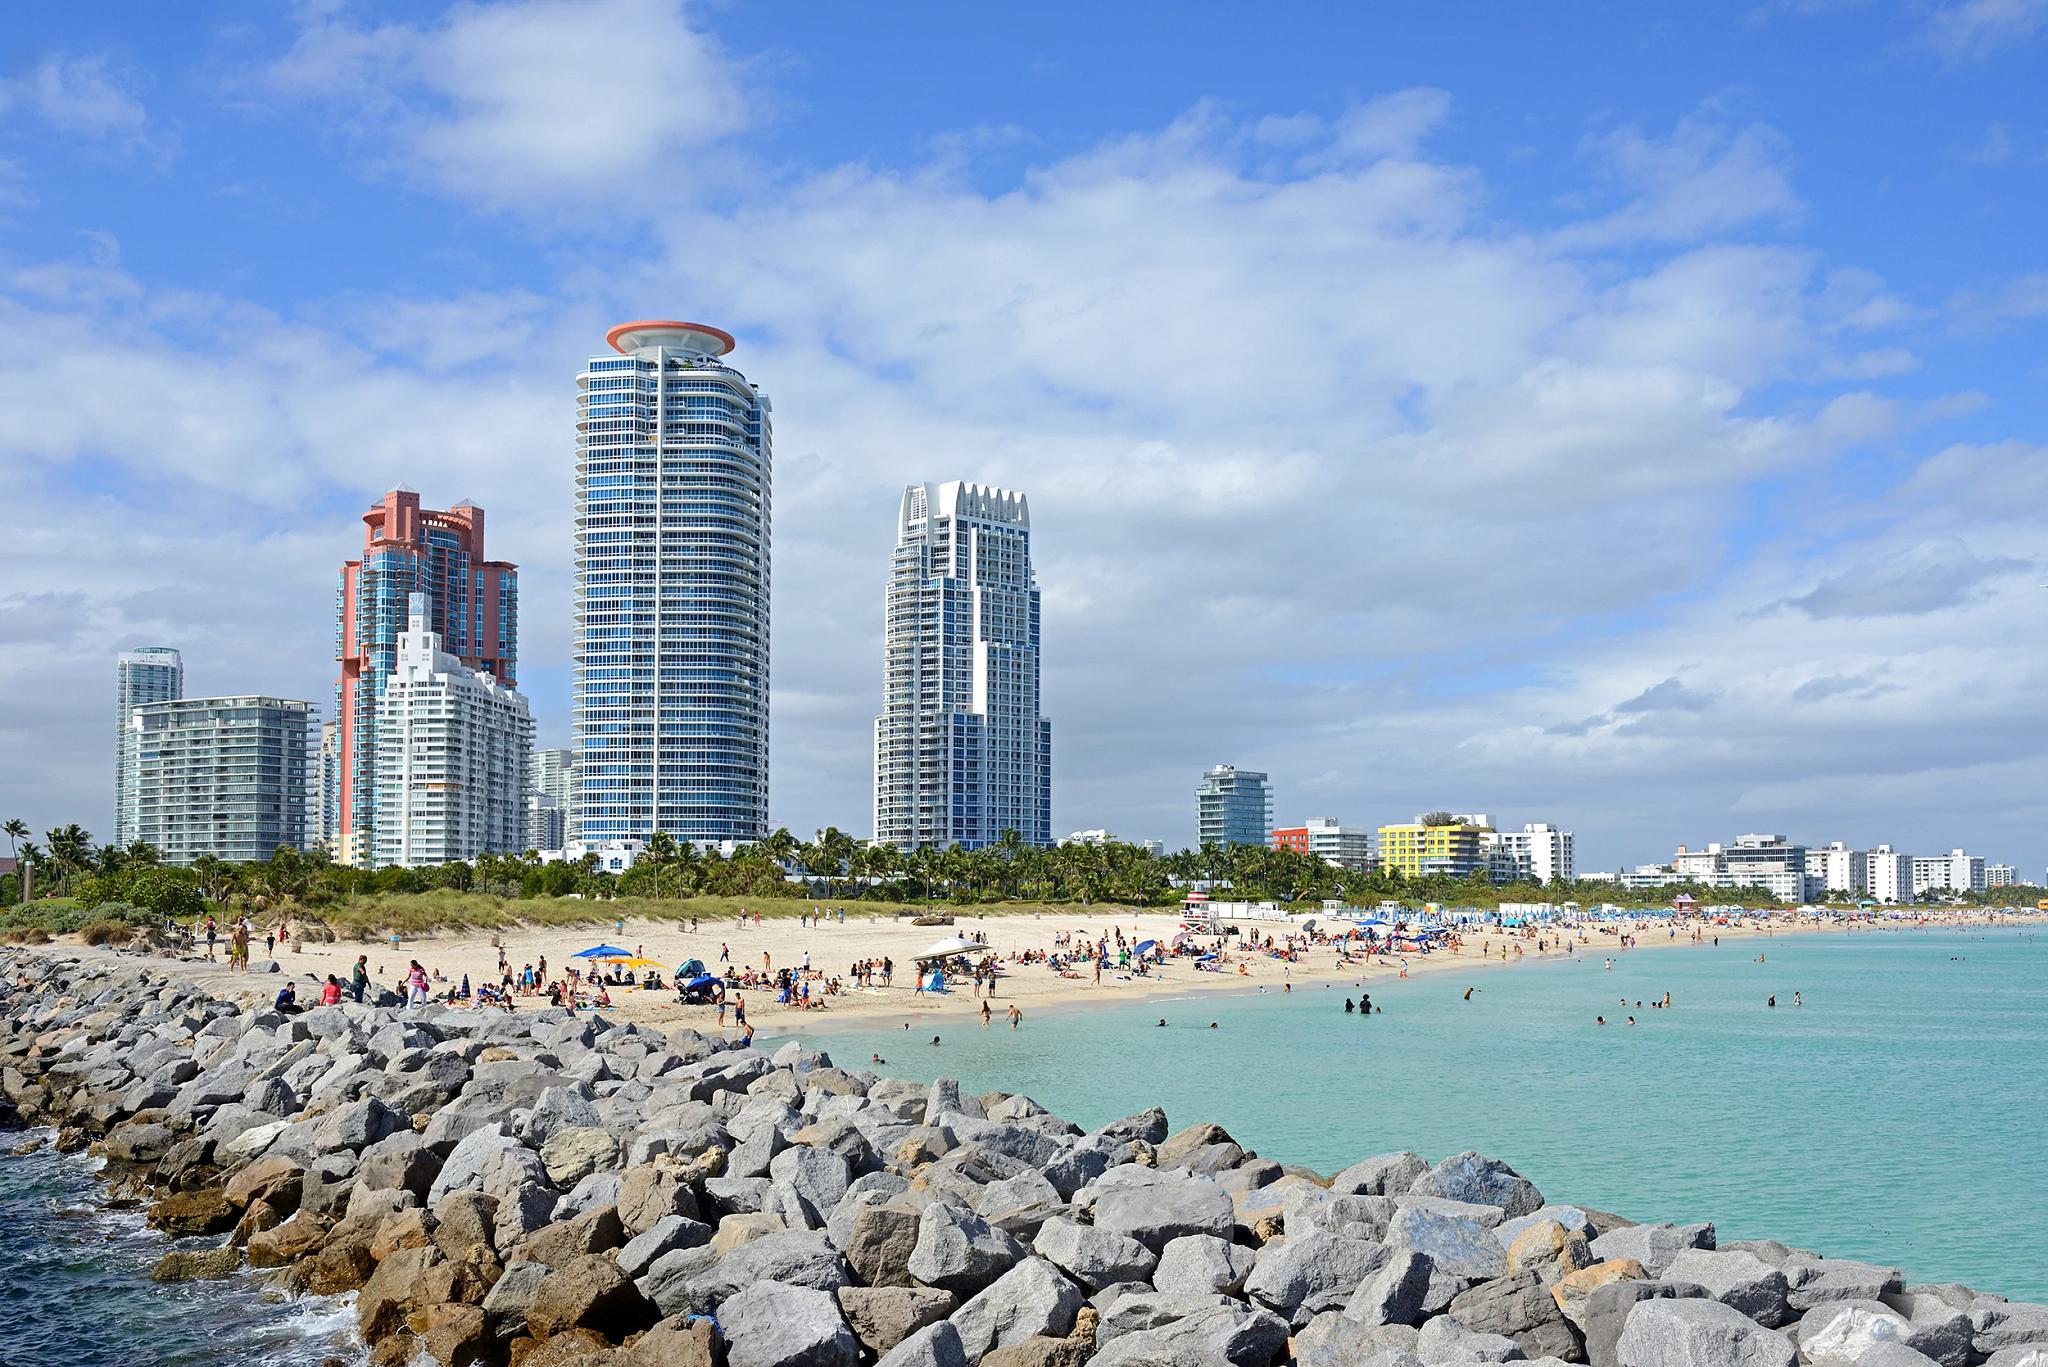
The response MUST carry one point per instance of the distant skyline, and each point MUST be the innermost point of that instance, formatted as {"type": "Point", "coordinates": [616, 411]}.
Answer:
{"type": "Point", "coordinates": [1634, 420]}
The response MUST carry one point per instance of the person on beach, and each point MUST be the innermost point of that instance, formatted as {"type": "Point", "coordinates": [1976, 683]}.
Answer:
{"type": "Point", "coordinates": [1015, 1015]}
{"type": "Point", "coordinates": [286, 1002]}
{"type": "Point", "coordinates": [415, 985]}
{"type": "Point", "coordinates": [238, 948]}
{"type": "Point", "coordinates": [359, 978]}
{"type": "Point", "coordinates": [330, 992]}
{"type": "Point", "coordinates": [212, 933]}
{"type": "Point", "coordinates": [985, 1013]}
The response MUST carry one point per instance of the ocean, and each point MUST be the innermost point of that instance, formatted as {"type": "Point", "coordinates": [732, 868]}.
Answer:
{"type": "Point", "coordinates": [75, 1288]}
{"type": "Point", "coordinates": [1895, 1114]}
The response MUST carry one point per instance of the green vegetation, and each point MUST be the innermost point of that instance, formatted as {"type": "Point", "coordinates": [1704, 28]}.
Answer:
{"type": "Point", "coordinates": [674, 880]}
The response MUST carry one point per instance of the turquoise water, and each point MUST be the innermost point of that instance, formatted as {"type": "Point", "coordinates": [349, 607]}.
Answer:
{"type": "Point", "coordinates": [1896, 1115]}
{"type": "Point", "coordinates": [75, 1288]}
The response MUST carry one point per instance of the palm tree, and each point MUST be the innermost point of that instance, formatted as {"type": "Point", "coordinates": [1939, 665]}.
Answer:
{"type": "Point", "coordinates": [16, 831]}
{"type": "Point", "coordinates": [140, 854]}
{"type": "Point", "coordinates": [660, 853]}
{"type": "Point", "coordinates": [70, 851]}
{"type": "Point", "coordinates": [780, 844]}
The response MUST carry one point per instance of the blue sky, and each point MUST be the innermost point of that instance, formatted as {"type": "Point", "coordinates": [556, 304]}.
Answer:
{"type": "Point", "coordinates": [1629, 419]}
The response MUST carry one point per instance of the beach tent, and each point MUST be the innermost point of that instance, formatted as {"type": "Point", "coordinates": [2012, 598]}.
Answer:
{"type": "Point", "coordinates": [950, 949]}
{"type": "Point", "coordinates": [691, 968]}
{"type": "Point", "coordinates": [602, 952]}
{"type": "Point", "coordinates": [702, 980]}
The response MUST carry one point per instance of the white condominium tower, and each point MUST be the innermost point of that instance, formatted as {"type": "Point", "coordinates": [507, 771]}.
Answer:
{"type": "Point", "coordinates": [453, 746]}
{"type": "Point", "coordinates": [961, 752]}
{"type": "Point", "coordinates": [673, 465]}
{"type": "Point", "coordinates": [152, 674]}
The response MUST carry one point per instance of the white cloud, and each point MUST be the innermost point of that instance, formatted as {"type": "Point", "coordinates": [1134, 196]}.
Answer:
{"type": "Point", "coordinates": [1704, 180]}
{"type": "Point", "coordinates": [1972, 30]}
{"type": "Point", "coordinates": [545, 106]}
{"type": "Point", "coordinates": [90, 99]}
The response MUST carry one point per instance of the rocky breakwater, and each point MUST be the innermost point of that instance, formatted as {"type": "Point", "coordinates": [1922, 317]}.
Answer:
{"type": "Point", "coordinates": [545, 1189]}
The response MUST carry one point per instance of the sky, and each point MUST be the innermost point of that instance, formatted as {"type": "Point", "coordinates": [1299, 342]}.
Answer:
{"type": "Point", "coordinates": [1628, 417]}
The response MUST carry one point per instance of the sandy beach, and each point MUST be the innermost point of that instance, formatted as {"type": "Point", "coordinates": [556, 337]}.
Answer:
{"type": "Point", "coordinates": [834, 947]}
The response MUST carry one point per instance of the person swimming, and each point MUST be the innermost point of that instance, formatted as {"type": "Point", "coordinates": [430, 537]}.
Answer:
{"type": "Point", "coordinates": [1162, 1020]}
{"type": "Point", "coordinates": [876, 1058]}
{"type": "Point", "coordinates": [1773, 1001]}
{"type": "Point", "coordinates": [1212, 1025]}
{"type": "Point", "coordinates": [1469, 991]}
{"type": "Point", "coordinates": [1349, 1006]}
{"type": "Point", "coordinates": [1599, 1020]}
{"type": "Point", "coordinates": [935, 1041]}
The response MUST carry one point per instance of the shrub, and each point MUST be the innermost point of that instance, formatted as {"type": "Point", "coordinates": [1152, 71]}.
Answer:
{"type": "Point", "coordinates": [106, 933]}
{"type": "Point", "coordinates": [27, 935]}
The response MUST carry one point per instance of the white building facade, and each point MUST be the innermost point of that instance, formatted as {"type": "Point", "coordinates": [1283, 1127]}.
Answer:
{"type": "Point", "coordinates": [673, 512]}
{"type": "Point", "coordinates": [1539, 852]}
{"type": "Point", "coordinates": [151, 674]}
{"type": "Point", "coordinates": [2000, 875]}
{"type": "Point", "coordinates": [1840, 869]}
{"type": "Point", "coordinates": [961, 751]}
{"type": "Point", "coordinates": [454, 745]}
{"type": "Point", "coordinates": [1889, 874]}
{"type": "Point", "coordinates": [1951, 872]}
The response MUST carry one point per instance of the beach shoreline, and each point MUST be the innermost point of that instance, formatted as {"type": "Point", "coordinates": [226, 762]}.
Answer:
{"type": "Point", "coordinates": [831, 947]}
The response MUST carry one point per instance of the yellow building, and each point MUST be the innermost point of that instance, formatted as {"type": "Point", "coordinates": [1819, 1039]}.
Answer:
{"type": "Point", "coordinates": [1416, 848]}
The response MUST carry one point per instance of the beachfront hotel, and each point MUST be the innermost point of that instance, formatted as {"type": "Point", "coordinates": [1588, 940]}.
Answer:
{"type": "Point", "coordinates": [673, 511]}
{"type": "Point", "coordinates": [472, 605]}
{"type": "Point", "coordinates": [1436, 843]}
{"type": "Point", "coordinates": [1233, 806]}
{"type": "Point", "coordinates": [961, 751]}
{"type": "Point", "coordinates": [453, 748]}
{"type": "Point", "coordinates": [1325, 838]}
{"type": "Point", "coordinates": [151, 674]}
{"type": "Point", "coordinates": [220, 776]}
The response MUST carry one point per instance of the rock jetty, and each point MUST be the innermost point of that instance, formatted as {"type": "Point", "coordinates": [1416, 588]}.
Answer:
{"type": "Point", "coordinates": [548, 1189]}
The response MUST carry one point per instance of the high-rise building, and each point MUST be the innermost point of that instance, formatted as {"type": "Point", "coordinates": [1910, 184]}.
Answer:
{"type": "Point", "coordinates": [221, 776]}
{"type": "Point", "coordinates": [1348, 847]}
{"type": "Point", "coordinates": [2000, 875]}
{"type": "Point", "coordinates": [1951, 872]}
{"type": "Point", "coordinates": [1538, 853]}
{"type": "Point", "coordinates": [673, 511]}
{"type": "Point", "coordinates": [961, 752]}
{"type": "Point", "coordinates": [1889, 874]}
{"type": "Point", "coordinates": [151, 674]}
{"type": "Point", "coordinates": [1839, 868]}
{"type": "Point", "coordinates": [555, 777]}
{"type": "Point", "coordinates": [547, 826]}
{"type": "Point", "coordinates": [472, 605]}
{"type": "Point", "coordinates": [323, 796]}
{"type": "Point", "coordinates": [1233, 806]}
{"type": "Point", "coordinates": [453, 748]}
{"type": "Point", "coordinates": [1443, 843]}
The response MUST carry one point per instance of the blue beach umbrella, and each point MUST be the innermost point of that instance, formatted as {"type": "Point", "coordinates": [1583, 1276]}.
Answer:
{"type": "Point", "coordinates": [602, 952]}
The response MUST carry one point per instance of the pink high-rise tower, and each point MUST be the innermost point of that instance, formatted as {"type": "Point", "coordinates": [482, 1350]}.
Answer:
{"type": "Point", "coordinates": [472, 604]}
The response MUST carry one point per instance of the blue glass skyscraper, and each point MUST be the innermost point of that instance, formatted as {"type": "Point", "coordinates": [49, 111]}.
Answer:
{"type": "Point", "coordinates": [673, 507]}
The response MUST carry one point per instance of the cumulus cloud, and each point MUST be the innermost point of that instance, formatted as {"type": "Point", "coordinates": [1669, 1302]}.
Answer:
{"type": "Point", "coordinates": [1706, 178]}
{"type": "Point", "coordinates": [543, 106]}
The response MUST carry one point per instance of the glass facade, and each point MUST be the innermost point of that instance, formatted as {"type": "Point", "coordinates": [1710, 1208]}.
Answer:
{"type": "Point", "coordinates": [673, 514]}
{"type": "Point", "coordinates": [961, 752]}
{"type": "Point", "coordinates": [151, 674]}
{"type": "Point", "coordinates": [221, 776]}
{"type": "Point", "coordinates": [1233, 807]}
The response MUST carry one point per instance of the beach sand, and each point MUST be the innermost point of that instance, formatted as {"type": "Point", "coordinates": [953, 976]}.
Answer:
{"type": "Point", "coordinates": [834, 947]}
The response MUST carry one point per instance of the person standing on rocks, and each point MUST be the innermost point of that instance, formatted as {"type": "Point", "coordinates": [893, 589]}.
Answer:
{"type": "Point", "coordinates": [359, 979]}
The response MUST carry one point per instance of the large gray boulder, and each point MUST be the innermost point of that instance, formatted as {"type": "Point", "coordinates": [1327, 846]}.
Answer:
{"type": "Point", "coordinates": [1605, 1310]}
{"type": "Point", "coordinates": [1225, 1336]}
{"type": "Point", "coordinates": [936, 1345]}
{"type": "Point", "coordinates": [1737, 1279]}
{"type": "Point", "coordinates": [666, 1235]}
{"type": "Point", "coordinates": [1203, 1265]}
{"type": "Point", "coordinates": [810, 1182]}
{"type": "Point", "coordinates": [1517, 1307]}
{"type": "Point", "coordinates": [1816, 1281]}
{"type": "Point", "coordinates": [1473, 1177]}
{"type": "Point", "coordinates": [1387, 1174]}
{"type": "Point", "coordinates": [1445, 1340]}
{"type": "Point", "coordinates": [1158, 1213]}
{"type": "Point", "coordinates": [1298, 1278]}
{"type": "Point", "coordinates": [1332, 1340]}
{"type": "Point", "coordinates": [1096, 1257]}
{"type": "Point", "coordinates": [773, 1324]}
{"type": "Point", "coordinates": [1032, 1298]}
{"type": "Point", "coordinates": [1699, 1333]}
{"type": "Point", "coordinates": [1455, 1246]}
{"type": "Point", "coordinates": [1394, 1293]}
{"type": "Point", "coordinates": [1654, 1246]}
{"type": "Point", "coordinates": [884, 1316]}
{"type": "Point", "coordinates": [1843, 1333]}
{"type": "Point", "coordinates": [879, 1242]}
{"type": "Point", "coordinates": [959, 1251]}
